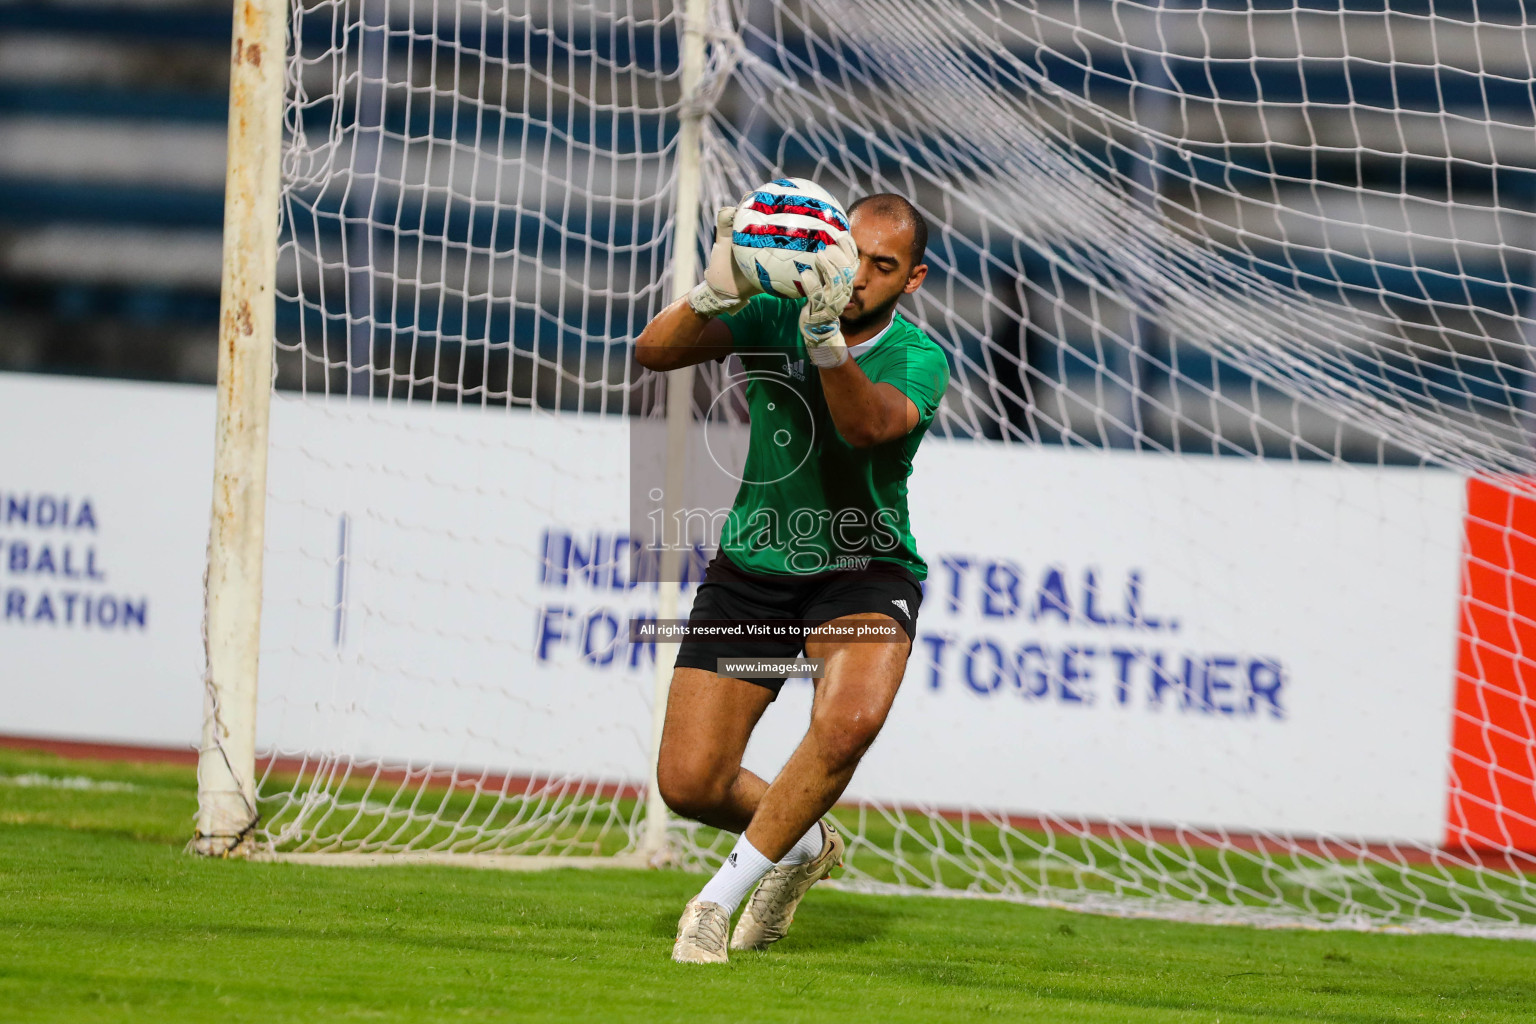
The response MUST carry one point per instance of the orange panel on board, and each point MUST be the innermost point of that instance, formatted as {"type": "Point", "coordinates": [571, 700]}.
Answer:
{"type": "Point", "coordinates": [1493, 740]}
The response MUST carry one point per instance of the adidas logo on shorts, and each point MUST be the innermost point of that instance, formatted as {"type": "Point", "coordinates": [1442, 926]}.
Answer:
{"type": "Point", "coordinates": [902, 604]}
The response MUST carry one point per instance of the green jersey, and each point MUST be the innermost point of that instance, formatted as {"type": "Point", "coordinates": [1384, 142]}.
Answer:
{"type": "Point", "coordinates": [809, 501]}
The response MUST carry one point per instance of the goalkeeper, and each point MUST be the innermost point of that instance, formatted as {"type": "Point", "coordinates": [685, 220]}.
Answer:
{"type": "Point", "coordinates": [823, 541]}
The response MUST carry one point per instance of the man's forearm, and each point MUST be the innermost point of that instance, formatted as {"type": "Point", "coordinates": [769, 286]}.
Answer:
{"type": "Point", "coordinates": [861, 409]}
{"type": "Point", "coordinates": [674, 338]}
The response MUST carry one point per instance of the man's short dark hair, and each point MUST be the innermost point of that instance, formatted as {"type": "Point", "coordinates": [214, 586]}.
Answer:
{"type": "Point", "coordinates": [889, 204]}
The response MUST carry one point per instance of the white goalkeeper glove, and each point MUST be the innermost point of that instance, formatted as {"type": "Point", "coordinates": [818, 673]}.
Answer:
{"type": "Point", "coordinates": [725, 289]}
{"type": "Point", "coordinates": [828, 287]}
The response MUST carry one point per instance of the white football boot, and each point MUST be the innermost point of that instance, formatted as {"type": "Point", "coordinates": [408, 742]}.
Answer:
{"type": "Point", "coordinates": [772, 906]}
{"type": "Point", "coordinates": [701, 934]}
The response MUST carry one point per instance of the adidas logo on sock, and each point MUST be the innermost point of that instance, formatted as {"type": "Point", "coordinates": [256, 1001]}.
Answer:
{"type": "Point", "coordinates": [731, 860]}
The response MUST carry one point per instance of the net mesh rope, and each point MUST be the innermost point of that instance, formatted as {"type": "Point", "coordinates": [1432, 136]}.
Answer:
{"type": "Point", "coordinates": [1271, 232]}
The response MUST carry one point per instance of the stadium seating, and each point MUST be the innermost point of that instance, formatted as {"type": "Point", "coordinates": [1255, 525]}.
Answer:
{"type": "Point", "coordinates": [111, 155]}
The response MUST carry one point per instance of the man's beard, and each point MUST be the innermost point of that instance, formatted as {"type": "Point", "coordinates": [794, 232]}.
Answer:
{"type": "Point", "coordinates": [869, 318]}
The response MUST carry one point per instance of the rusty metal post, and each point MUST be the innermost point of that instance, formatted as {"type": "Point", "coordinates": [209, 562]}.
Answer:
{"type": "Point", "coordinates": [685, 274]}
{"type": "Point", "coordinates": [226, 769]}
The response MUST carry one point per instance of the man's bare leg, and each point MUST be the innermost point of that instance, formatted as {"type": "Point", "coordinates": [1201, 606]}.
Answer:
{"type": "Point", "coordinates": [849, 708]}
{"type": "Point", "coordinates": [851, 704]}
{"type": "Point", "coordinates": [699, 773]}
{"type": "Point", "coordinates": [709, 720]}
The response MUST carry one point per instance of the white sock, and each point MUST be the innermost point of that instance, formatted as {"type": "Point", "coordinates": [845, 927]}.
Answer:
{"type": "Point", "coordinates": [742, 870]}
{"type": "Point", "coordinates": [807, 848]}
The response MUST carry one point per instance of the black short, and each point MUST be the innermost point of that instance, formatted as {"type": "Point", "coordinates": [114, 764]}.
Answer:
{"type": "Point", "coordinates": [731, 593]}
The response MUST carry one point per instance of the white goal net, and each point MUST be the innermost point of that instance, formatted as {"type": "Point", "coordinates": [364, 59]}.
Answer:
{"type": "Point", "coordinates": [1226, 509]}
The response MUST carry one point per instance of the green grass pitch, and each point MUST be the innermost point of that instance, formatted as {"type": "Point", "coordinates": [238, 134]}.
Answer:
{"type": "Point", "coordinates": [102, 917]}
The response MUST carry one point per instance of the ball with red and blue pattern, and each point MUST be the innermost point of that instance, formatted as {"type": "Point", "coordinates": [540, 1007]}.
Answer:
{"type": "Point", "coordinates": [778, 225]}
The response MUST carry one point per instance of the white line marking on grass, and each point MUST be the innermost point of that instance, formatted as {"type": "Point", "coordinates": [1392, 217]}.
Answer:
{"type": "Point", "coordinates": [1331, 874]}
{"type": "Point", "coordinates": [77, 782]}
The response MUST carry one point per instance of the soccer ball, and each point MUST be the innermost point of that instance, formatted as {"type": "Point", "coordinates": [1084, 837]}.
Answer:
{"type": "Point", "coordinates": [777, 225]}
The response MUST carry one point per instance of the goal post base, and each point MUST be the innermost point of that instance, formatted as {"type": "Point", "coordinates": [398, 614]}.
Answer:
{"type": "Point", "coordinates": [241, 846]}
{"type": "Point", "coordinates": [493, 861]}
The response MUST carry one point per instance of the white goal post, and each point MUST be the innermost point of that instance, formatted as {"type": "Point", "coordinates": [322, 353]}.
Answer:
{"type": "Point", "coordinates": [227, 756]}
{"type": "Point", "coordinates": [226, 768]}
{"type": "Point", "coordinates": [1229, 509]}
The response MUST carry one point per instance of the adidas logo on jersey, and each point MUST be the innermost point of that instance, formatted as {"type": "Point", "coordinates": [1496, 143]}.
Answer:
{"type": "Point", "coordinates": [902, 604]}
{"type": "Point", "coordinates": [797, 369]}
